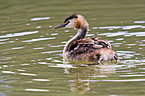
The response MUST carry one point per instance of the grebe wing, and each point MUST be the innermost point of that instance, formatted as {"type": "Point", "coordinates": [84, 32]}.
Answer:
{"type": "Point", "coordinates": [87, 46]}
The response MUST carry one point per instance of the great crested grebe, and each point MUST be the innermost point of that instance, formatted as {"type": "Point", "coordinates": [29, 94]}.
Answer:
{"type": "Point", "coordinates": [85, 49]}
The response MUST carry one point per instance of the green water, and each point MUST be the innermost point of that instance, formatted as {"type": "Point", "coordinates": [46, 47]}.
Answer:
{"type": "Point", "coordinates": [31, 62]}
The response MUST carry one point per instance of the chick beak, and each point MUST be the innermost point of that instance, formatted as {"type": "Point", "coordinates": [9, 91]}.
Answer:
{"type": "Point", "coordinates": [60, 26]}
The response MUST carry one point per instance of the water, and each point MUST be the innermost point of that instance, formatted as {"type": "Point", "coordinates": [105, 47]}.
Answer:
{"type": "Point", "coordinates": [31, 62]}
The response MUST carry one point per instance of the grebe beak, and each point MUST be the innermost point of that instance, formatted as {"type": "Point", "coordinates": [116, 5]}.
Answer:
{"type": "Point", "coordinates": [61, 25]}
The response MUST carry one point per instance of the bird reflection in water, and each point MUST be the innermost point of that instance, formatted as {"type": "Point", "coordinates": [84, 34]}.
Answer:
{"type": "Point", "coordinates": [83, 76]}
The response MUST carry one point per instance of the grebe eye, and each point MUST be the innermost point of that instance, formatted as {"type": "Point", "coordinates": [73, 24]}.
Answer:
{"type": "Point", "coordinates": [67, 22]}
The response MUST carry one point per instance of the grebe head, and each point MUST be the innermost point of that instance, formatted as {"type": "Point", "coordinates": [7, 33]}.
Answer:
{"type": "Point", "coordinates": [74, 21]}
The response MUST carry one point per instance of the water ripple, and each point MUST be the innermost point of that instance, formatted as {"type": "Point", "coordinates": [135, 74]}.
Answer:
{"type": "Point", "coordinates": [49, 52]}
{"type": "Point", "coordinates": [20, 70]}
{"type": "Point", "coordinates": [41, 90]}
{"type": "Point", "coordinates": [130, 75]}
{"type": "Point", "coordinates": [90, 35]}
{"type": "Point", "coordinates": [125, 54]}
{"type": "Point", "coordinates": [28, 74]}
{"type": "Point", "coordinates": [41, 80]}
{"type": "Point", "coordinates": [19, 34]}
{"type": "Point", "coordinates": [123, 33]}
{"type": "Point", "coordinates": [57, 46]}
{"type": "Point", "coordinates": [39, 39]}
{"type": "Point", "coordinates": [38, 27]}
{"type": "Point", "coordinates": [45, 63]}
{"type": "Point", "coordinates": [18, 48]}
{"type": "Point", "coordinates": [63, 66]}
{"type": "Point", "coordinates": [54, 34]}
{"type": "Point", "coordinates": [139, 21]}
{"type": "Point", "coordinates": [119, 39]}
{"type": "Point", "coordinates": [117, 27]}
{"type": "Point", "coordinates": [41, 18]}
{"type": "Point", "coordinates": [127, 80]}
{"type": "Point", "coordinates": [4, 39]}
{"type": "Point", "coordinates": [8, 72]}
{"type": "Point", "coordinates": [141, 44]}
{"type": "Point", "coordinates": [38, 48]}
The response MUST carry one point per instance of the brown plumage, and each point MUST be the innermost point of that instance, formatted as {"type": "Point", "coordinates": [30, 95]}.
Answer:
{"type": "Point", "coordinates": [91, 49]}
{"type": "Point", "coordinates": [85, 49]}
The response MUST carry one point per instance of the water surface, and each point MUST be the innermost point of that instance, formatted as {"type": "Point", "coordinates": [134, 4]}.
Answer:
{"type": "Point", "coordinates": [31, 62]}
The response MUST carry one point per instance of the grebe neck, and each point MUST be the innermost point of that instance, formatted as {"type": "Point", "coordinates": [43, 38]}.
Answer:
{"type": "Point", "coordinates": [82, 32]}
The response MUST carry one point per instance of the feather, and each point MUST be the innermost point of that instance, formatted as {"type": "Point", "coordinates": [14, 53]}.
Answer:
{"type": "Point", "coordinates": [90, 49]}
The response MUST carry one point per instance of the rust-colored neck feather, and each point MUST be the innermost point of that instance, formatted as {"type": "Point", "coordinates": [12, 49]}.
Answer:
{"type": "Point", "coordinates": [82, 26]}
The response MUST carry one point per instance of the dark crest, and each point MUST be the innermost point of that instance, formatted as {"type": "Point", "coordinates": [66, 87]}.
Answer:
{"type": "Point", "coordinates": [71, 17]}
